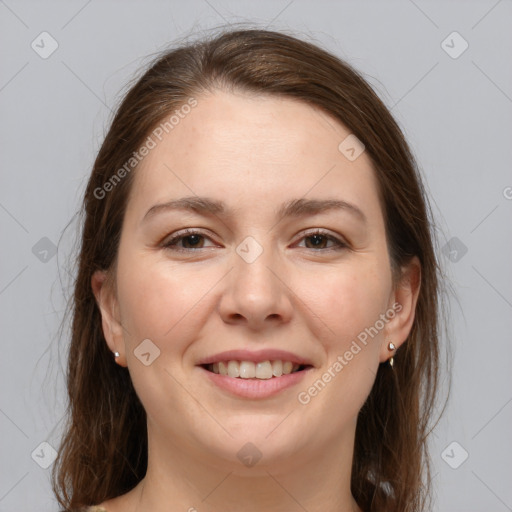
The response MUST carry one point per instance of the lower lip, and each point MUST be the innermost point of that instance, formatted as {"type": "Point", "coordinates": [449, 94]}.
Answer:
{"type": "Point", "coordinates": [255, 388]}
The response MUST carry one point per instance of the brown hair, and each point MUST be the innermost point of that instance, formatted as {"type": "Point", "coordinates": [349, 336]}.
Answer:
{"type": "Point", "coordinates": [104, 449]}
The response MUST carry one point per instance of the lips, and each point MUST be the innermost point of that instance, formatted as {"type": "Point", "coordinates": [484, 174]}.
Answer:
{"type": "Point", "coordinates": [245, 386]}
{"type": "Point", "coordinates": [254, 388]}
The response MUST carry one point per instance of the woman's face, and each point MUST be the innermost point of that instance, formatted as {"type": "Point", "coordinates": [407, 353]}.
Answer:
{"type": "Point", "coordinates": [250, 279]}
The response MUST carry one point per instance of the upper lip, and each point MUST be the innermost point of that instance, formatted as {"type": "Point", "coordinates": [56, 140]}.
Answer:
{"type": "Point", "coordinates": [255, 356]}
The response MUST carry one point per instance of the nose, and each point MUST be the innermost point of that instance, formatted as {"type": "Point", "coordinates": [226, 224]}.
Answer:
{"type": "Point", "coordinates": [257, 293]}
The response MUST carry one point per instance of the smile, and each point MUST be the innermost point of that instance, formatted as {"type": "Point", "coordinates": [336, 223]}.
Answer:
{"type": "Point", "coordinates": [254, 370]}
{"type": "Point", "coordinates": [245, 386]}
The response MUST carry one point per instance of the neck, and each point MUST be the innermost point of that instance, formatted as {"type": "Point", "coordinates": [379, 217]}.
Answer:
{"type": "Point", "coordinates": [184, 478]}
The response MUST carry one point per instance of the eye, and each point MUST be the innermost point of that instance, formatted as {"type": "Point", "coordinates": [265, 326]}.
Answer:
{"type": "Point", "coordinates": [194, 239]}
{"type": "Point", "coordinates": [190, 237]}
{"type": "Point", "coordinates": [319, 238]}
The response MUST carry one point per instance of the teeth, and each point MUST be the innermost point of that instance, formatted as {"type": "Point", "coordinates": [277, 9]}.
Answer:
{"type": "Point", "coordinates": [233, 369]}
{"type": "Point", "coordinates": [247, 369]}
{"type": "Point", "coordinates": [287, 367]}
{"type": "Point", "coordinates": [250, 370]}
{"type": "Point", "coordinates": [277, 368]}
{"type": "Point", "coordinates": [264, 370]}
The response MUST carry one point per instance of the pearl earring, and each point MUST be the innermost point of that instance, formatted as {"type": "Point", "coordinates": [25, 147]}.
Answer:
{"type": "Point", "coordinates": [116, 354]}
{"type": "Point", "coordinates": [391, 347]}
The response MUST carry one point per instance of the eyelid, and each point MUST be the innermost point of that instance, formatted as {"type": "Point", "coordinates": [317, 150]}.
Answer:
{"type": "Point", "coordinates": [179, 235]}
{"type": "Point", "coordinates": [339, 241]}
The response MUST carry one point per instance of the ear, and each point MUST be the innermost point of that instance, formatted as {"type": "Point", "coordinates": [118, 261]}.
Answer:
{"type": "Point", "coordinates": [107, 303]}
{"type": "Point", "coordinates": [404, 299]}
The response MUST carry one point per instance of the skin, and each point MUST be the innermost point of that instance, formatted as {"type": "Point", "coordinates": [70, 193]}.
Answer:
{"type": "Point", "coordinates": [254, 152]}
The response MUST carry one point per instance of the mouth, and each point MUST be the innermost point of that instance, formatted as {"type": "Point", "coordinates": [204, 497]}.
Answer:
{"type": "Point", "coordinates": [254, 380]}
{"type": "Point", "coordinates": [262, 370]}
{"type": "Point", "coordinates": [249, 374]}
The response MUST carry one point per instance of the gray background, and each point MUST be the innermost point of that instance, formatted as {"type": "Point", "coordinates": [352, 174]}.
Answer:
{"type": "Point", "coordinates": [456, 113]}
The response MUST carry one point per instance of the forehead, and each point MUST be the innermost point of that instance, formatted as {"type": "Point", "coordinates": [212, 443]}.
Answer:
{"type": "Point", "coordinates": [251, 150]}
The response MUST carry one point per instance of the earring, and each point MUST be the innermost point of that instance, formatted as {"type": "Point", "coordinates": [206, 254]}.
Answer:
{"type": "Point", "coordinates": [116, 354]}
{"type": "Point", "coordinates": [391, 347]}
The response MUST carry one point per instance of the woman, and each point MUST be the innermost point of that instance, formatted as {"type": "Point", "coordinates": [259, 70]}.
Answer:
{"type": "Point", "coordinates": [255, 317]}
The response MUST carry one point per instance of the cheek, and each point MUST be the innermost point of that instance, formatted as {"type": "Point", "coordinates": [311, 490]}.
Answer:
{"type": "Point", "coordinates": [162, 300]}
{"type": "Point", "coordinates": [157, 303]}
{"type": "Point", "coordinates": [346, 301]}
{"type": "Point", "coordinates": [154, 298]}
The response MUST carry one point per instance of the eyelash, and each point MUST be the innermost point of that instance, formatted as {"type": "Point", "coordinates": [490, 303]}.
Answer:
{"type": "Point", "coordinates": [170, 244]}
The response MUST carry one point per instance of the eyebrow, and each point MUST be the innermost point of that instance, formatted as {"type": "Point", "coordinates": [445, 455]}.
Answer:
{"type": "Point", "coordinates": [293, 208]}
